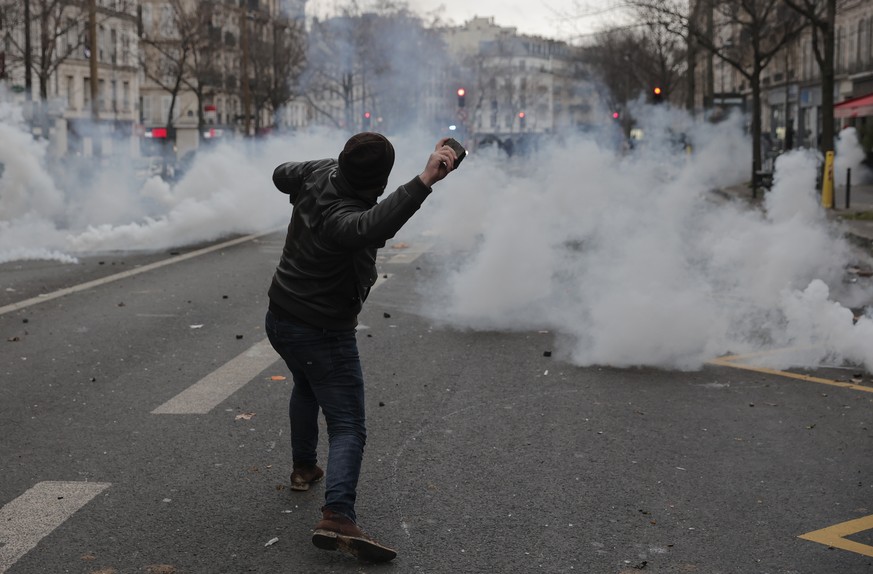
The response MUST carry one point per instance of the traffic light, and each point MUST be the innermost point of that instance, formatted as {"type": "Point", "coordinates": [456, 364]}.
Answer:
{"type": "Point", "coordinates": [521, 118]}
{"type": "Point", "coordinates": [657, 95]}
{"type": "Point", "coordinates": [616, 115]}
{"type": "Point", "coordinates": [462, 97]}
{"type": "Point", "coordinates": [367, 120]}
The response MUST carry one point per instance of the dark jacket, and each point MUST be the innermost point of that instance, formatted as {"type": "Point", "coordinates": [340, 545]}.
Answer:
{"type": "Point", "coordinates": [328, 264]}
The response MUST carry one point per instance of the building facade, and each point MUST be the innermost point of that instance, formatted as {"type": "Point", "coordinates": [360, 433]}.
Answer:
{"type": "Point", "coordinates": [174, 75]}
{"type": "Point", "coordinates": [791, 83]}
{"type": "Point", "coordinates": [59, 104]}
{"type": "Point", "coordinates": [517, 86]}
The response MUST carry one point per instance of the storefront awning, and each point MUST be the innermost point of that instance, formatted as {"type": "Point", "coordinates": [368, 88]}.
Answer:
{"type": "Point", "coordinates": [855, 108]}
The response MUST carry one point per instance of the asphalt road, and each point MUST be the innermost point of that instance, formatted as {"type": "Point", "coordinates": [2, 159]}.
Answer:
{"type": "Point", "coordinates": [484, 455]}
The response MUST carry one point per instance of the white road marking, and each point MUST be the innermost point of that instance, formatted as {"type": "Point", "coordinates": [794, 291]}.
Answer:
{"type": "Point", "coordinates": [214, 388]}
{"type": "Point", "coordinates": [124, 274]}
{"type": "Point", "coordinates": [33, 515]}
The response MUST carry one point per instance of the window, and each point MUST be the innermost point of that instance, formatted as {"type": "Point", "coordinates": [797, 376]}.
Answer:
{"type": "Point", "coordinates": [145, 106]}
{"type": "Point", "coordinates": [71, 93]}
{"type": "Point", "coordinates": [113, 45]}
{"type": "Point", "coordinates": [125, 49]}
{"type": "Point", "coordinates": [125, 96]}
{"type": "Point", "coordinates": [71, 36]}
{"type": "Point", "coordinates": [146, 18]}
{"type": "Point", "coordinates": [167, 25]}
{"type": "Point", "coordinates": [87, 92]}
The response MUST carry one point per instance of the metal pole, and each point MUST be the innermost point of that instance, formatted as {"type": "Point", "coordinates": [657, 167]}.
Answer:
{"type": "Point", "coordinates": [848, 186]}
{"type": "Point", "coordinates": [92, 41]}
{"type": "Point", "coordinates": [244, 67]}
{"type": "Point", "coordinates": [28, 56]}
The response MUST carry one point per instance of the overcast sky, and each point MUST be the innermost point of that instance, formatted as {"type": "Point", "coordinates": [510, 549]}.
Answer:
{"type": "Point", "coordinates": [559, 19]}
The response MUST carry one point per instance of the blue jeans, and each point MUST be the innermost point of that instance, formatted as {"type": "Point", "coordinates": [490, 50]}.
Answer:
{"type": "Point", "coordinates": [327, 374]}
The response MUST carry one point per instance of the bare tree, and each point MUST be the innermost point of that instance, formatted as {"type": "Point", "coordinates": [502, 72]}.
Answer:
{"type": "Point", "coordinates": [631, 62]}
{"type": "Point", "coordinates": [202, 74]}
{"type": "Point", "coordinates": [59, 35]}
{"type": "Point", "coordinates": [752, 33]}
{"type": "Point", "coordinates": [168, 50]}
{"type": "Point", "coordinates": [356, 65]}
{"type": "Point", "coordinates": [334, 76]}
{"type": "Point", "coordinates": [288, 60]}
{"type": "Point", "coordinates": [277, 57]}
{"type": "Point", "coordinates": [821, 15]}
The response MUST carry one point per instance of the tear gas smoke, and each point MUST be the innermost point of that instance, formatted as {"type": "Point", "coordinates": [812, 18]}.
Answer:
{"type": "Point", "coordinates": [630, 258]}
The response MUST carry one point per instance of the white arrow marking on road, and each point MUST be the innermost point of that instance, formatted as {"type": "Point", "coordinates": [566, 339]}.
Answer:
{"type": "Point", "coordinates": [33, 515]}
{"type": "Point", "coordinates": [214, 388]}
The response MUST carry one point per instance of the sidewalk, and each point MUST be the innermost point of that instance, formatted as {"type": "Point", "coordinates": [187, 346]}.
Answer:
{"type": "Point", "coordinates": [856, 220]}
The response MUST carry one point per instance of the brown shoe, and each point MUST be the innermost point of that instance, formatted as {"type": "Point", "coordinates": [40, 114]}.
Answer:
{"type": "Point", "coordinates": [304, 475]}
{"type": "Point", "coordinates": [337, 532]}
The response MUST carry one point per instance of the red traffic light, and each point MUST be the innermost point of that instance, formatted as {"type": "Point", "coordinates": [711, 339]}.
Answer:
{"type": "Point", "coordinates": [615, 115]}
{"type": "Point", "coordinates": [461, 92]}
{"type": "Point", "coordinates": [657, 91]}
{"type": "Point", "coordinates": [521, 115]}
{"type": "Point", "coordinates": [367, 115]}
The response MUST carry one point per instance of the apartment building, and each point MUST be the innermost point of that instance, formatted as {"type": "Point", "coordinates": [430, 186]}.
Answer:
{"type": "Point", "coordinates": [205, 66]}
{"type": "Point", "coordinates": [59, 105]}
{"type": "Point", "coordinates": [517, 85]}
{"type": "Point", "coordinates": [174, 75]}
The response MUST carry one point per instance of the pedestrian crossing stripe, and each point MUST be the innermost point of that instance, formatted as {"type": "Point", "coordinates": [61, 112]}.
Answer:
{"type": "Point", "coordinates": [37, 512]}
{"type": "Point", "coordinates": [836, 536]}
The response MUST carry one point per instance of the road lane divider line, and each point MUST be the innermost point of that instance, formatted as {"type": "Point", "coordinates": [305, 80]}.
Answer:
{"type": "Point", "coordinates": [216, 387]}
{"type": "Point", "coordinates": [125, 274]}
{"type": "Point", "coordinates": [37, 512]}
{"type": "Point", "coordinates": [732, 363]}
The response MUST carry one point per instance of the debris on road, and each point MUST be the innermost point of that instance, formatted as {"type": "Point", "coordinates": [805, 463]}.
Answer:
{"type": "Point", "coordinates": [271, 542]}
{"type": "Point", "coordinates": [244, 416]}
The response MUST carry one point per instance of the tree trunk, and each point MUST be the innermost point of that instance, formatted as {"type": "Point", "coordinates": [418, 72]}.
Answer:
{"type": "Point", "coordinates": [28, 59]}
{"type": "Point", "coordinates": [95, 84]}
{"type": "Point", "coordinates": [692, 73]}
{"type": "Point", "coordinates": [827, 82]}
{"type": "Point", "coordinates": [756, 128]}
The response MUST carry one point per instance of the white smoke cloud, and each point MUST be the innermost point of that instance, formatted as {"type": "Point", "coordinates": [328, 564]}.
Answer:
{"type": "Point", "coordinates": [87, 207]}
{"type": "Point", "coordinates": [631, 259]}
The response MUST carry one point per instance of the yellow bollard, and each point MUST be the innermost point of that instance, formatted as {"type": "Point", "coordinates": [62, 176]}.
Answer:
{"type": "Point", "coordinates": [827, 184]}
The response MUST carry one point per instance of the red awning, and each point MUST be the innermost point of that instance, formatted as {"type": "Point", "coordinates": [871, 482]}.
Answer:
{"type": "Point", "coordinates": [855, 108]}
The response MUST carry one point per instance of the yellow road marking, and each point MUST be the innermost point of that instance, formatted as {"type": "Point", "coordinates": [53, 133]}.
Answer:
{"type": "Point", "coordinates": [835, 535]}
{"type": "Point", "coordinates": [733, 362]}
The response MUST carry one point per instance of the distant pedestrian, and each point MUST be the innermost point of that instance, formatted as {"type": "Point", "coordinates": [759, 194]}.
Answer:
{"type": "Point", "coordinates": [323, 277]}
